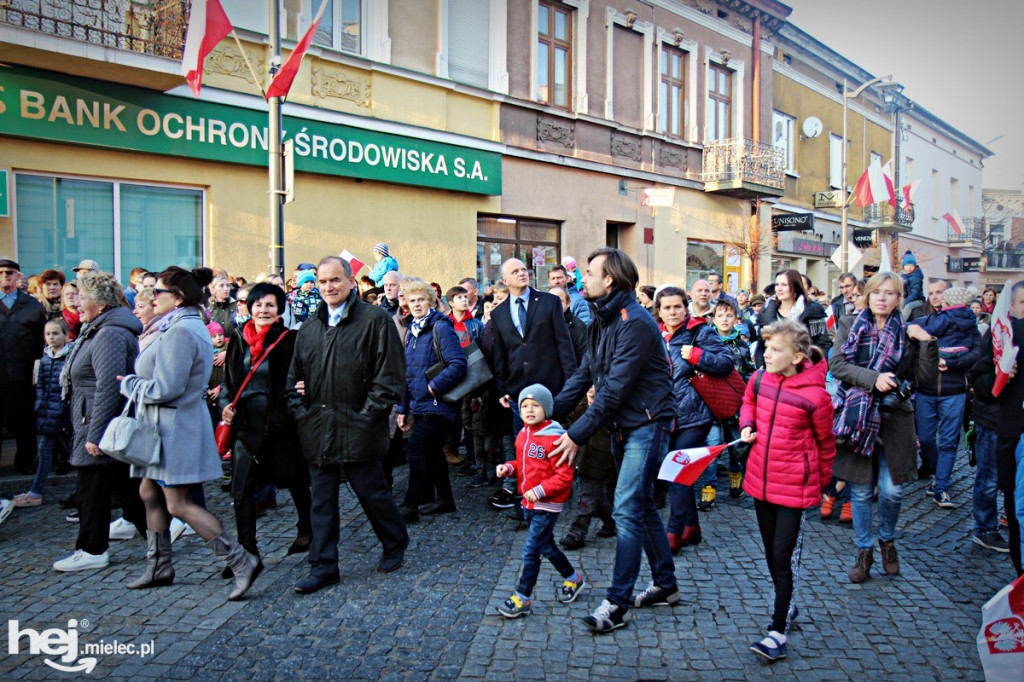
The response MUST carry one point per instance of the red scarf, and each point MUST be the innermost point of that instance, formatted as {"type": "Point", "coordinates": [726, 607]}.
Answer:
{"type": "Point", "coordinates": [74, 323]}
{"type": "Point", "coordinates": [255, 339]}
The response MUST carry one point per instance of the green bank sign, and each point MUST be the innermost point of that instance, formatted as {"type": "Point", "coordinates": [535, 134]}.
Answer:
{"type": "Point", "coordinates": [46, 106]}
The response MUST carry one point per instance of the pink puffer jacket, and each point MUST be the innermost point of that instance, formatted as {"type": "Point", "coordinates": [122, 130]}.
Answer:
{"type": "Point", "coordinates": [792, 457]}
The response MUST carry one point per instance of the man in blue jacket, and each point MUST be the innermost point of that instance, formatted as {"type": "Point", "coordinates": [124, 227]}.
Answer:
{"type": "Point", "coordinates": [627, 365]}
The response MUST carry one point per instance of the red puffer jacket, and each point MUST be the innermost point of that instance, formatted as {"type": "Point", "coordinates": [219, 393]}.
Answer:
{"type": "Point", "coordinates": [792, 457]}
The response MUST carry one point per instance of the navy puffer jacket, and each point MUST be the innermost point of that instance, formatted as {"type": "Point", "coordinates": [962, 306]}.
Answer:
{"type": "Point", "coordinates": [420, 356]}
{"type": "Point", "coordinates": [956, 329]}
{"type": "Point", "coordinates": [53, 415]}
{"type": "Point", "coordinates": [710, 356]}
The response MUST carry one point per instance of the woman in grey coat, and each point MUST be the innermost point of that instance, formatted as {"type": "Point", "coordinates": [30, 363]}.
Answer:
{"type": "Point", "coordinates": [172, 374]}
{"type": "Point", "coordinates": [107, 346]}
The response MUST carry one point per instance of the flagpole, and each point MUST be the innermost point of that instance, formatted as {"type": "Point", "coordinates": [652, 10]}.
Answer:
{"type": "Point", "coordinates": [274, 146]}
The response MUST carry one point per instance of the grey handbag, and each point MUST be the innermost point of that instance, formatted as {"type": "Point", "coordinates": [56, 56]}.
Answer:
{"type": "Point", "coordinates": [134, 440]}
{"type": "Point", "coordinates": [477, 372]}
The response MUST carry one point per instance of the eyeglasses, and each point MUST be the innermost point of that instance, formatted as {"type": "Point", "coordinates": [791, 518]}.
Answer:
{"type": "Point", "coordinates": [8, 273]}
{"type": "Point", "coordinates": [161, 291]}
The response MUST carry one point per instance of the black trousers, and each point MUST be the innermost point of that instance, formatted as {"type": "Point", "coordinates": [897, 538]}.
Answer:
{"type": "Point", "coordinates": [428, 467]}
{"type": "Point", "coordinates": [93, 491]}
{"type": "Point", "coordinates": [1006, 473]}
{"type": "Point", "coordinates": [244, 481]}
{"type": "Point", "coordinates": [592, 501]}
{"type": "Point", "coordinates": [17, 400]}
{"type": "Point", "coordinates": [367, 481]}
{"type": "Point", "coordinates": [780, 533]}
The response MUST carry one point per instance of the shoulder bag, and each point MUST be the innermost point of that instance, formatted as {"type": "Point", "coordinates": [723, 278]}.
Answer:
{"type": "Point", "coordinates": [224, 434]}
{"type": "Point", "coordinates": [134, 440]}
{"type": "Point", "coordinates": [477, 372]}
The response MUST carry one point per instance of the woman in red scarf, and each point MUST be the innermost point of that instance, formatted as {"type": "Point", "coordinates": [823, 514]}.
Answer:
{"type": "Point", "coordinates": [266, 449]}
{"type": "Point", "coordinates": [70, 310]}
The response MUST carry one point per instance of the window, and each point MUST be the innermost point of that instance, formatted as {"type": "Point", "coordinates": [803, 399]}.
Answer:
{"type": "Point", "coordinates": [61, 221]}
{"type": "Point", "coordinates": [703, 258]}
{"type": "Point", "coordinates": [671, 96]}
{"type": "Point", "coordinates": [535, 242]}
{"type": "Point", "coordinates": [835, 161]}
{"type": "Point", "coordinates": [719, 103]}
{"type": "Point", "coordinates": [341, 26]}
{"type": "Point", "coordinates": [954, 195]}
{"type": "Point", "coordinates": [468, 41]}
{"type": "Point", "coordinates": [553, 62]}
{"type": "Point", "coordinates": [935, 193]}
{"type": "Point", "coordinates": [783, 127]}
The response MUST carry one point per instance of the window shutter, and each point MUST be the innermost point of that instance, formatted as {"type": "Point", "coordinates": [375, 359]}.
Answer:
{"type": "Point", "coordinates": [469, 41]}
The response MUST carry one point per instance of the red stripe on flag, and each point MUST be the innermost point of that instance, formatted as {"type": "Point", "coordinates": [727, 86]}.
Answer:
{"type": "Point", "coordinates": [686, 466]}
{"type": "Point", "coordinates": [202, 38]}
{"type": "Point", "coordinates": [282, 82]}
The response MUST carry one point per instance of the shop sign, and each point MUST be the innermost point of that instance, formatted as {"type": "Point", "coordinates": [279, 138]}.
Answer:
{"type": "Point", "coordinates": [972, 264]}
{"type": "Point", "coordinates": [864, 239]}
{"type": "Point", "coordinates": [963, 264]}
{"type": "Point", "coordinates": [44, 106]}
{"type": "Point", "coordinates": [808, 246]}
{"type": "Point", "coordinates": [793, 222]}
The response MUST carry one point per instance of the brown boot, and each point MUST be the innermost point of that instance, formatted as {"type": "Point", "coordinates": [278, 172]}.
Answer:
{"type": "Point", "coordinates": [890, 559]}
{"type": "Point", "coordinates": [861, 570]}
{"type": "Point", "coordinates": [452, 455]}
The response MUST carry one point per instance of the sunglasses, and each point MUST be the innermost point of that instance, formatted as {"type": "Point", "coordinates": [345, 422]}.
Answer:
{"type": "Point", "coordinates": [243, 301]}
{"type": "Point", "coordinates": [161, 291]}
{"type": "Point", "coordinates": [8, 273]}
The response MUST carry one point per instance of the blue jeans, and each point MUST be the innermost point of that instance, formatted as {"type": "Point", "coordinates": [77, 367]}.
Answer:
{"type": "Point", "coordinates": [682, 499]}
{"type": "Point", "coordinates": [46, 444]}
{"type": "Point", "coordinates": [986, 516]}
{"type": "Point", "coordinates": [938, 428]}
{"type": "Point", "coordinates": [720, 433]}
{"type": "Point", "coordinates": [540, 540]}
{"type": "Point", "coordinates": [890, 498]}
{"type": "Point", "coordinates": [637, 522]}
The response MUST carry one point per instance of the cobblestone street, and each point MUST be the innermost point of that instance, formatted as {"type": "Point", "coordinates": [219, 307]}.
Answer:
{"type": "Point", "coordinates": [435, 618]}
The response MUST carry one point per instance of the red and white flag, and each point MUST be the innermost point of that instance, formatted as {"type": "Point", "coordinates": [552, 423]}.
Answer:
{"type": "Point", "coordinates": [1003, 351]}
{"type": "Point", "coordinates": [208, 24]}
{"type": "Point", "coordinates": [889, 184]}
{"type": "Point", "coordinates": [955, 221]}
{"type": "Point", "coordinates": [908, 193]}
{"type": "Point", "coordinates": [874, 186]}
{"type": "Point", "coordinates": [354, 262]}
{"type": "Point", "coordinates": [686, 466]}
{"type": "Point", "coordinates": [282, 82]}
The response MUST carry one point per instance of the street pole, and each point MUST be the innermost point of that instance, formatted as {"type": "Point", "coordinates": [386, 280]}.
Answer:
{"type": "Point", "coordinates": [275, 164]}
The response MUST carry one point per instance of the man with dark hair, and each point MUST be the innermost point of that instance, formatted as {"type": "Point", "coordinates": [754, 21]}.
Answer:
{"type": "Point", "coordinates": [842, 304]}
{"type": "Point", "coordinates": [22, 319]}
{"type": "Point", "coordinates": [627, 365]}
{"type": "Point", "coordinates": [476, 303]}
{"type": "Point", "coordinates": [559, 277]}
{"type": "Point", "coordinates": [718, 294]}
{"type": "Point", "coordinates": [347, 373]}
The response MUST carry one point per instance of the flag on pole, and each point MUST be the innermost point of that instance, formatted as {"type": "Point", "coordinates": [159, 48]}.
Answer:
{"type": "Point", "coordinates": [208, 24]}
{"type": "Point", "coordinates": [908, 194]}
{"type": "Point", "coordinates": [955, 221]}
{"type": "Point", "coordinates": [686, 466]}
{"type": "Point", "coordinates": [1003, 351]}
{"type": "Point", "coordinates": [889, 184]}
{"type": "Point", "coordinates": [282, 82]}
{"type": "Point", "coordinates": [873, 187]}
{"type": "Point", "coordinates": [354, 262]}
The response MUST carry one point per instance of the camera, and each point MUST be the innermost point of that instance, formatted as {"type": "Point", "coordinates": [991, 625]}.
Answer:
{"type": "Point", "coordinates": [891, 400]}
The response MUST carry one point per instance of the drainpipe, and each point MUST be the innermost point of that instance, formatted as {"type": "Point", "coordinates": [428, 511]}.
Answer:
{"type": "Point", "coordinates": [755, 83]}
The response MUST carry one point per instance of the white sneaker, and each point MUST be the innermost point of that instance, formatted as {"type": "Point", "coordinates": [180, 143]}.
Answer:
{"type": "Point", "coordinates": [121, 530]}
{"type": "Point", "coordinates": [6, 507]}
{"type": "Point", "coordinates": [82, 561]}
{"type": "Point", "coordinates": [177, 528]}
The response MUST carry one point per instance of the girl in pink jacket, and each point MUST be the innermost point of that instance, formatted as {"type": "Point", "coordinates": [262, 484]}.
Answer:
{"type": "Point", "coordinates": [787, 415]}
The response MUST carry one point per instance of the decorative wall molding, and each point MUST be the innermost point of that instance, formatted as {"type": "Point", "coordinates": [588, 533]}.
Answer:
{"type": "Point", "coordinates": [328, 82]}
{"type": "Point", "coordinates": [556, 131]}
{"type": "Point", "coordinates": [673, 158]}
{"type": "Point", "coordinates": [227, 60]}
{"type": "Point", "coordinates": [625, 146]}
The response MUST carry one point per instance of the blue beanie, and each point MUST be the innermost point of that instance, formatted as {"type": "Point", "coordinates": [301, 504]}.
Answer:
{"type": "Point", "coordinates": [908, 258]}
{"type": "Point", "coordinates": [541, 394]}
{"type": "Point", "coordinates": [305, 276]}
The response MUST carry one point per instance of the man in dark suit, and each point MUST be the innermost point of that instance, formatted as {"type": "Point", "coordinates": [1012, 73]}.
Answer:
{"type": "Point", "coordinates": [532, 345]}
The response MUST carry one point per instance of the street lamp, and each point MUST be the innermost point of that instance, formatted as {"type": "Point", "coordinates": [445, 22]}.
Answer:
{"type": "Point", "coordinates": [844, 253]}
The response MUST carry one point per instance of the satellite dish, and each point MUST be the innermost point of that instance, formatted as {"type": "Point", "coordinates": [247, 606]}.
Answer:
{"type": "Point", "coordinates": [812, 126]}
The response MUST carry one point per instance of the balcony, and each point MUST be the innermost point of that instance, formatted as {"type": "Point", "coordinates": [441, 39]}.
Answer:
{"type": "Point", "coordinates": [136, 42]}
{"type": "Point", "coordinates": [743, 168]}
{"type": "Point", "coordinates": [1004, 258]}
{"type": "Point", "coordinates": [973, 233]}
{"type": "Point", "coordinates": [900, 219]}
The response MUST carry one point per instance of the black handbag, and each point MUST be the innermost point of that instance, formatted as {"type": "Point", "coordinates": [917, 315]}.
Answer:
{"type": "Point", "coordinates": [478, 372]}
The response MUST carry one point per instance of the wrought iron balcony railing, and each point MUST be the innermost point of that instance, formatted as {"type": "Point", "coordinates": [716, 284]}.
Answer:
{"type": "Point", "coordinates": [973, 231]}
{"type": "Point", "coordinates": [884, 214]}
{"type": "Point", "coordinates": [153, 27]}
{"type": "Point", "coordinates": [741, 160]}
{"type": "Point", "coordinates": [1004, 258]}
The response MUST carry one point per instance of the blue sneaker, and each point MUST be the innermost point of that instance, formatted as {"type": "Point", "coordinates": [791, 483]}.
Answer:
{"type": "Point", "coordinates": [571, 589]}
{"type": "Point", "coordinates": [930, 490]}
{"type": "Point", "coordinates": [514, 607]}
{"type": "Point", "coordinates": [771, 647]}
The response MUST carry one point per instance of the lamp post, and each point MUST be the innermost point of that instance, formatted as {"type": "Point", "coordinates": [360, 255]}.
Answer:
{"type": "Point", "coordinates": [844, 252]}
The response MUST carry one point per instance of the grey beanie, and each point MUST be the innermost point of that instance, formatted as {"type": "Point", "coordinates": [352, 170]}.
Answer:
{"type": "Point", "coordinates": [541, 394]}
{"type": "Point", "coordinates": [382, 249]}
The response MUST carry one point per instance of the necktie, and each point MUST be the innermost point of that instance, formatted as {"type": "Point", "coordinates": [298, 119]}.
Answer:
{"type": "Point", "coordinates": [334, 317]}
{"type": "Point", "coordinates": [521, 316]}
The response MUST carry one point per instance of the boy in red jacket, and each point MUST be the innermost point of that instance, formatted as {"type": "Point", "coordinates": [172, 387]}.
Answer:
{"type": "Point", "coordinates": [545, 488]}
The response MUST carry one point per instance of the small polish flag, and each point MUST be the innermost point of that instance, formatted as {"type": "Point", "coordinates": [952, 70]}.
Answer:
{"type": "Point", "coordinates": [908, 193]}
{"type": "Point", "coordinates": [282, 82]}
{"type": "Point", "coordinates": [874, 186]}
{"type": "Point", "coordinates": [686, 466]}
{"type": "Point", "coordinates": [1004, 353]}
{"type": "Point", "coordinates": [955, 221]}
{"type": "Point", "coordinates": [208, 24]}
{"type": "Point", "coordinates": [354, 262]}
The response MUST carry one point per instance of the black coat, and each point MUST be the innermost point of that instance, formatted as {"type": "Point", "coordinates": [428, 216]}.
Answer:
{"type": "Point", "coordinates": [543, 356]}
{"type": "Point", "coordinates": [982, 377]}
{"type": "Point", "coordinates": [814, 318]}
{"type": "Point", "coordinates": [354, 374]}
{"type": "Point", "coordinates": [578, 333]}
{"type": "Point", "coordinates": [21, 338]}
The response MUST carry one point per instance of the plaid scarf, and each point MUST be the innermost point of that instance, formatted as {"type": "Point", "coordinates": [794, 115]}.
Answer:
{"type": "Point", "coordinates": [856, 410]}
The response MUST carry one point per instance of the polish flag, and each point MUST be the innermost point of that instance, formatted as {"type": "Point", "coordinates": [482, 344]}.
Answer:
{"type": "Point", "coordinates": [354, 262]}
{"type": "Point", "coordinates": [887, 174]}
{"type": "Point", "coordinates": [1003, 351]}
{"type": "Point", "coordinates": [873, 187]}
{"type": "Point", "coordinates": [686, 466]}
{"type": "Point", "coordinates": [955, 221]}
{"type": "Point", "coordinates": [207, 25]}
{"type": "Point", "coordinates": [282, 82]}
{"type": "Point", "coordinates": [908, 194]}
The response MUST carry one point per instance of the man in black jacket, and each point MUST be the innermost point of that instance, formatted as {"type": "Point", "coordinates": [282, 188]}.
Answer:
{"type": "Point", "coordinates": [22, 319]}
{"type": "Point", "coordinates": [577, 327]}
{"type": "Point", "coordinates": [628, 367]}
{"type": "Point", "coordinates": [348, 371]}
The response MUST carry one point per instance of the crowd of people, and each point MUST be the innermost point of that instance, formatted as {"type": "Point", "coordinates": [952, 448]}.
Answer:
{"type": "Point", "coordinates": [570, 396]}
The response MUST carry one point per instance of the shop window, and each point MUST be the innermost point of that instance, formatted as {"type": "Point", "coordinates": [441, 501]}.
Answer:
{"type": "Point", "coordinates": [672, 93]}
{"type": "Point", "coordinates": [61, 221]}
{"type": "Point", "coordinates": [719, 124]}
{"type": "Point", "coordinates": [703, 258]}
{"type": "Point", "coordinates": [553, 62]}
{"type": "Point", "coordinates": [535, 242]}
